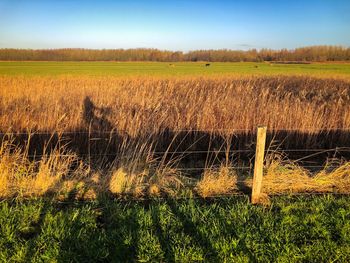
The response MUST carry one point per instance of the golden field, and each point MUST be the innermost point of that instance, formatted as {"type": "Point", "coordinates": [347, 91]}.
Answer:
{"type": "Point", "coordinates": [151, 105]}
{"type": "Point", "coordinates": [59, 133]}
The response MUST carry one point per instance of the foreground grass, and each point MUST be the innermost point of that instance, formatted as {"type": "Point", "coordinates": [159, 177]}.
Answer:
{"type": "Point", "coordinates": [172, 69]}
{"type": "Point", "coordinates": [293, 229]}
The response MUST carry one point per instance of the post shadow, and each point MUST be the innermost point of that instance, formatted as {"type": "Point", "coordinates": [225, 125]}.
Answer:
{"type": "Point", "coordinates": [36, 229]}
{"type": "Point", "coordinates": [191, 229]}
{"type": "Point", "coordinates": [163, 239]}
{"type": "Point", "coordinates": [114, 219]}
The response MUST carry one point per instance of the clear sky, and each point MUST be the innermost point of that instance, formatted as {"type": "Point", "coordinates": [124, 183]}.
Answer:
{"type": "Point", "coordinates": [174, 25]}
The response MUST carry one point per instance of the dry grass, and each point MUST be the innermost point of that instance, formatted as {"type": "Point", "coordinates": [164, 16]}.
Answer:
{"type": "Point", "coordinates": [139, 110]}
{"type": "Point", "coordinates": [126, 184]}
{"type": "Point", "coordinates": [22, 177]}
{"type": "Point", "coordinates": [66, 176]}
{"type": "Point", "coordinates": [151, 105]}
{"type": "Point", "coordinates": [335, 179]}
{"type": "Point", "coordinates": [150, 182]}
{"type": "Point", "coordinates": [217, 182]}
{"type": "Point", "coordinates": [61, 173]}
{"type": "Point", "coordinates": [287, 177]}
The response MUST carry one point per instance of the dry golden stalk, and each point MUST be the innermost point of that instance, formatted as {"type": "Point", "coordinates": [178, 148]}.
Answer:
{"type": "Point", "coordinates": [282, 177]}
{"type": "Point", "coordinates": [139, 105]}
{"type": "Point", "coordinates": [217, 182]}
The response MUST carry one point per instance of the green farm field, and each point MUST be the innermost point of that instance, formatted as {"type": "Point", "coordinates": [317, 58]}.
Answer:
{"type": "Point", "coordinates": [293, 229]}
{"type": "Point", "coordinates": [341, 70]}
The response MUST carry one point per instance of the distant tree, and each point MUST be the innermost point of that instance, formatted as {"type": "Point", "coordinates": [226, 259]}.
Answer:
{"type": "Point", "coordinates": [313, 53]}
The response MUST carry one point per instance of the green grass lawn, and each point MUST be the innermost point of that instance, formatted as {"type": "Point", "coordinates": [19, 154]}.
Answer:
{"type": "Point", "coordinates": [293, 229]}
{"type": "Point", "coordinates": [164, 69]}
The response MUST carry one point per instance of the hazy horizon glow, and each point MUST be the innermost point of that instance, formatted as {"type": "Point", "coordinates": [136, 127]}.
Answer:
{"type": "Point", "coordinates": [173, 25]}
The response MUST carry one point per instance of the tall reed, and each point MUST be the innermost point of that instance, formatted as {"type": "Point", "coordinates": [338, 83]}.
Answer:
{"type": "Point", "coordinates": [151, 105]}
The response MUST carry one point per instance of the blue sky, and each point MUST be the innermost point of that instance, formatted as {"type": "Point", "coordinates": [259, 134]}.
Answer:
{"type": "Point", "coordinates": [174, 25]}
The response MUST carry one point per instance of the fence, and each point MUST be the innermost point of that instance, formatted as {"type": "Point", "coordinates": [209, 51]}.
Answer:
{"type": "Point", "coordinates": [260, 152]}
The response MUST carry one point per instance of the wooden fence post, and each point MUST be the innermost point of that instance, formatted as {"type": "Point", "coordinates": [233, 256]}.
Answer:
{"type": "Point", "coordinates": [259, 164]}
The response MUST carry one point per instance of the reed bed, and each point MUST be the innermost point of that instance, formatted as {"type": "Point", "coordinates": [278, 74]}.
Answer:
{"type": "Point", "coordinates": [142, 105]}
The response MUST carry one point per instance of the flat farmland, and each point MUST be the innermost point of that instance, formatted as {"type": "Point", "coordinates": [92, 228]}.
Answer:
{"type": "Point", "coordinates": [338, 70]}
{"type": "Point", "coordinates": [153, 162]}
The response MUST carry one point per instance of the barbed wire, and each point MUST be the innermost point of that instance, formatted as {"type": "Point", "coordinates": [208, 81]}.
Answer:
{"type": "Point", "coordinates": [117, 131]}
{"type": "Point", "coordinates": [251, 167]}
{"type": "Point", "coordinates": [337, 149]}
{"type": "Point", "coordinates": [211, 168]}
{"type": "Point", "coordinates": [188, 152]}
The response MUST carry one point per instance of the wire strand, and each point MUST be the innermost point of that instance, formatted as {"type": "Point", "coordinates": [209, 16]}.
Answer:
{"type": "Point", "coordinates": [340, 149]}
{"type": "Point", "coordinates": [302, 130]}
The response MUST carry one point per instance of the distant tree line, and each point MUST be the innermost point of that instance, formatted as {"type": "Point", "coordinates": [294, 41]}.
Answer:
{"type": "Point", "coordinates": [312, 53]}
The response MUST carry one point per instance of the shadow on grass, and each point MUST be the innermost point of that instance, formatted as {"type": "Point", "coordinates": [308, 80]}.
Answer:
{"type": "Point", "coordinates": [190, 228]}
{"type": "Point", "coordinates": [34, 230]}
{"type": "Point", "coordinates": [121, 226]}
{"type": "Point", "coordinates": [162, 236]}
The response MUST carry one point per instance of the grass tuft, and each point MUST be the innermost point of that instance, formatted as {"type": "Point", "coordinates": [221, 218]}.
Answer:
{"type": "Point", "coordinates": [287, 177]}
{"type": "Point", "coordinates": [217, 182]}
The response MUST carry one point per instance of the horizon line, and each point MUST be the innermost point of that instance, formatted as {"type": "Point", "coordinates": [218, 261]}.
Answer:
{"type": "Point", "coordinates": [183, 51]}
